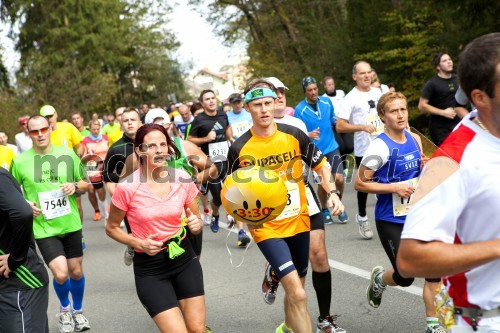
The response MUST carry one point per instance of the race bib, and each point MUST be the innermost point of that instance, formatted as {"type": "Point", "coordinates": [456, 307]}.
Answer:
{"type": "Point", "coordinates": [217, 151]}
{"type": "Point", "coordinates": [374, 119]}
{"type": "Point", "coordinates": [240, 128]}
{"type": "Point", "coordinates": [54, 204]}
{"type": "Point", "coordinates": [400, 206]}
{"type": "Point", "coordinates": [92, 169]}
{"type": "Point", "coordinates": [312, 206]}
{"type": "Point", "coordinates": [292, 207]}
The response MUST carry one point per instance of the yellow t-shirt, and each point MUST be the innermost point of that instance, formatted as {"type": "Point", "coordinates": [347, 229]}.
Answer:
{"type": "Point", "coordinates": [283, 152]}
{"type": "Point", "coordinates": [66, 135]}
{"type": "Point", "coordinates": [108, 129]}
{"type": "Point", "coordinates": [6, 157]}
{"type": "Point", "coordinates": [113, 137]}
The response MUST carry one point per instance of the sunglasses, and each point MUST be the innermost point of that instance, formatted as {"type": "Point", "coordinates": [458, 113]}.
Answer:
{"type": "Point", "coordinates": [371, 103]}
{"type": "Point", "coordinates": [41, 131]}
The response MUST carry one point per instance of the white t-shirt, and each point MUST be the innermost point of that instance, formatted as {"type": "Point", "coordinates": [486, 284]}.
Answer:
{"type": "Point", "coordinates": [13, 148]}
{"type": "Point", "coordinates": [457, 202]}
{"type": "Point", "coordinates": [336, 100]}
{"type": "Point", "coordinates": [23, 142]}
{"type": "Point", "coordinates": [292, 121]}
{"type": "Point", "coordinates": [357, 111]}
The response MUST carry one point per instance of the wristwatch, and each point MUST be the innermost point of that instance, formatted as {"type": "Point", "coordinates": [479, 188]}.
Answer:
{"type": "Point", "coordinates": [337, 192]}
{"type": "Point", "coordinates": [76, 186]}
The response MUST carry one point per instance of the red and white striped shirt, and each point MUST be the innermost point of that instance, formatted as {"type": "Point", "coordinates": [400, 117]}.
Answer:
{"type": "Point", "coordinates": [463, 207]}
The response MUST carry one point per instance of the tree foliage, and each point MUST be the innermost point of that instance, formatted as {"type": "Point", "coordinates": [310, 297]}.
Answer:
{"type": "Point", "coordinates": [291, 39]}
{"type": "Point", "coordinates": [92, 55]}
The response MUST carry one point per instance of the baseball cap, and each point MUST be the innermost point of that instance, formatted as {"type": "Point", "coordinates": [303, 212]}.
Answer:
{"type": "Point", "coordinates": [276, 82]}
{"type": "Point", "coordinates": [47, 110]}
{"type": "Point", "coordinates": [233, 98]}
{"type": "Point", "coordinates": [157, 113]}
{"type": "Point", "coordinates": [23, 120]}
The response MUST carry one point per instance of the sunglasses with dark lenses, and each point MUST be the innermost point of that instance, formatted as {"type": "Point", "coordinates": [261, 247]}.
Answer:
{"type": "Point", "coordinates": [41, 131]}
{"type": "Point", "coordinates": [371, 104]}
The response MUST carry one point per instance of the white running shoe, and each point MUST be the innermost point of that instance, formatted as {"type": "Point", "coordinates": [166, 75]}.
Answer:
{"type": "Point", "coordinates": [81, 323]}
{"type": "Point", "coordinates": [364, 227]}
{"type": "Point", "coordinates": [66, 322]}
{"type": "Point", "coordinates": [230, 221]}
{"type": "Point", "coordinates": [207, 217]}
{"type": "Point", "coordinates": [128, 256]}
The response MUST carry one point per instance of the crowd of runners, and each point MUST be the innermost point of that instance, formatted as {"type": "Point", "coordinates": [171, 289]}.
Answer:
{"type": "Point", "coordinates": [153, 177]}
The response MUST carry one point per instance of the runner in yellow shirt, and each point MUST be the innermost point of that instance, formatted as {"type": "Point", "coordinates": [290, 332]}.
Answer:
{"type": "Point", "coordinates": [6, 157]}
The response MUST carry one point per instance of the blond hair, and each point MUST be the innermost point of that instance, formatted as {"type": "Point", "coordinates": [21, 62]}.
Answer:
{"type": "Point", "coordinates": [388, 98]}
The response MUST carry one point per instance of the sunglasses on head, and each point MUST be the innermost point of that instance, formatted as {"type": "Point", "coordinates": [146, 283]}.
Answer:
{"type": "Point", "coordinates": [41, 131]}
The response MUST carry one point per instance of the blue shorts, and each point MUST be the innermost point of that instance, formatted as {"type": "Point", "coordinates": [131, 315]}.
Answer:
{"type": "Point", "coordinates": [334, 161]}
{"type": "Point", "coordinates": [288, 254]}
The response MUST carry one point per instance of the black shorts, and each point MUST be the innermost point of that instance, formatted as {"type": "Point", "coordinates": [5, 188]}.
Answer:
{"type": "Point", "coordinates": [215, 190]}
{"type": "Point", "coordinates": [439, 133]}
{"type": "Point", "coordinates": [287, 254]}
{"type": "Point", "coordinates": [317, 220]}
{"type": "Point", "coordinates": [67, 245]}
{"type": "Point", "coordinates": [98, 184]}
{"type": "Point", "coordinates": [335, 161]}
{"type": "Point", "coordinates": [346, 143]}
{"type": "Point", "coordinates": [24, 310]}
{"type": "Point", "coordinates": [160, 281]}
{"type": "Point", "coordinates": [195, 240]}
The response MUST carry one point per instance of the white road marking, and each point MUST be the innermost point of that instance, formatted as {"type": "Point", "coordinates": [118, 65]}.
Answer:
{"type": "Point", "coordinates": [366, 275]}
{"type": "Point", "coordinates": [347, 268]}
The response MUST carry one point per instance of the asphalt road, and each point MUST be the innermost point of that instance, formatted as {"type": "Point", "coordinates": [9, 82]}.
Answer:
{"type": "Point", "coordinates": [233, 299]}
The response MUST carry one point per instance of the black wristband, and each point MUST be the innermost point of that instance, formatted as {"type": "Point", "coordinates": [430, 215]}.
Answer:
{"type": "Point", "coordinates": [337, 192]}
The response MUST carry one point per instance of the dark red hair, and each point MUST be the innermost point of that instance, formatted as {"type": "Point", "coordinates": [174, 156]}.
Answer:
{"type": "Point", "coordinates": [145, 129]}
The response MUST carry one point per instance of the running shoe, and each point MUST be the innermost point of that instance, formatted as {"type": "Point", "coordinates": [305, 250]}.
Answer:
{"type": "Point", "coordinates": [375, 289]}
{"type": "Point", "coordinates": [81, 323]}
{"type": "Point", "coordinates": [283, 329]}
{"type": "Point", "coordinates": [207, 218]}
{"type": "Point", "coordinates": [66, 322]}
{"type": "Point", "coordinates": [435, 329]}
{"type": "Point", "coordinates": [128, 256]}
{"type": "Point", "coordinates": [270, 285]}
{"type": "Point", "coordinates": [243, 238]}
{"type": "Point", "coordinates": [214, 226]}
{"type": "Point", "coordinates": [364, 227]}
{"type": "Point", "coordinates": [97, 216]}
{"type": "Point", "coordinates": [230, 221]}
{"type": "Point", "coordinates": [329, 325]}
{"type": "Point", "coordinates": [327, 216]}
{"type": "Point", "coordinates": [343, 218]}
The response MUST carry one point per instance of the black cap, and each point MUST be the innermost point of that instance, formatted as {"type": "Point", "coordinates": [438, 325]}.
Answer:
{"type": "Point", "coordinates": [233, 98]}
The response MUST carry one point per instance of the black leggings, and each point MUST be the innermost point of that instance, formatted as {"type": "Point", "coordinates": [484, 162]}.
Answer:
{"type": "Point", "coordinates": [346, 145]}
{"type": "Point", "coordinates": [362, 196]}
{"type": "Point", "coordinates": [390, 236]}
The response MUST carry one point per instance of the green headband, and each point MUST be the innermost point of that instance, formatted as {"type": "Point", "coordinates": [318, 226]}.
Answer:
{"type": "Point", "coordinates": [258, 93]}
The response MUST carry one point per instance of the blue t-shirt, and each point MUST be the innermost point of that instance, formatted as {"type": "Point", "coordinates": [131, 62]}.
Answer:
{"type": "Point", "coordinates": [403, 164]}
{"type": "Point", "coordinates": [319, 115]}
{"type": "Point", "coordinates": [239, 122]}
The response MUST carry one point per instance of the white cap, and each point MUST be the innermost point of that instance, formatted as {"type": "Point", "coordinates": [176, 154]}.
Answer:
{"type": "Point", "coordinates": [157, 113]}
{"type": "Point", "coordinates": [276, 82]}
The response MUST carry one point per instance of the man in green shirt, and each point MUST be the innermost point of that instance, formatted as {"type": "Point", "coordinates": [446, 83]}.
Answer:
{"type": "Point", "coordinates": [112, 126]}
{"type": "Point", "coordinates": [79, 122]}
{"type": "Point", "coordinates": [50, 175]}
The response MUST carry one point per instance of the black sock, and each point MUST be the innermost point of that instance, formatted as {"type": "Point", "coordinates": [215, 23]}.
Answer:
{"type": "Point", "coordinates": [322, 283]}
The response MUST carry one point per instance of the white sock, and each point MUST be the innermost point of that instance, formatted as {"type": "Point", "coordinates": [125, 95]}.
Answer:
{"type": "Point", "coordinates": [103, 207]}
